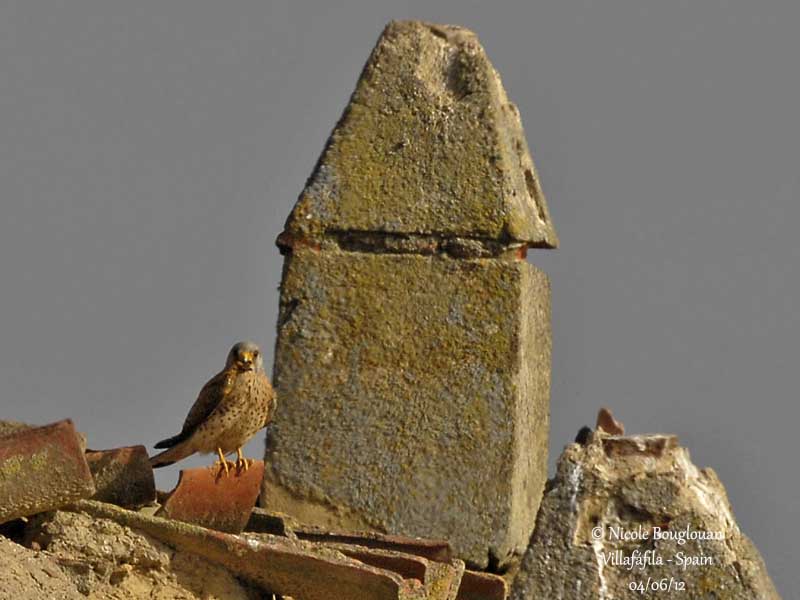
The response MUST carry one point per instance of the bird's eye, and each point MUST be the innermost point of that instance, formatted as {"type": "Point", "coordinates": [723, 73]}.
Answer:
{"type": "Point", "coordinates": [255, 353]}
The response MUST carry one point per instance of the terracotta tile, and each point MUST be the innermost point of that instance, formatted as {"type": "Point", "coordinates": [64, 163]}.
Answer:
{"type": "Point", "coordinates": [42, 468]}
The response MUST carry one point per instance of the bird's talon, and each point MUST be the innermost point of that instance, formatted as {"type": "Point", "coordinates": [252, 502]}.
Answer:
{"type": "Point", "coordinates": [242, 463]}
{"type": "Point", "coordinates": [225, 466]}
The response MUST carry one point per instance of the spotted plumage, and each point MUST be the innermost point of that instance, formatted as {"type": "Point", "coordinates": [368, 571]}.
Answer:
{"type": "Point", "coordinates": [232, 406]}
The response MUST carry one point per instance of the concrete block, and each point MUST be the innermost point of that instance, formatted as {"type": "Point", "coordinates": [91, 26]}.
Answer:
{"type": "Point", "coordinates": [413, 352]}
{"type": "Point", "coordinates": [415, 397]}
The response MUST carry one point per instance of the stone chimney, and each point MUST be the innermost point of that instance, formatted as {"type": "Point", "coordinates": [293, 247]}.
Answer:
{"type": "Point", "coordinates": [413, 355]}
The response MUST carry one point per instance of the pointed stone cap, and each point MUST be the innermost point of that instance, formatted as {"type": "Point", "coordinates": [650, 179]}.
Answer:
{"type": "Point", "coordinates": [428, 145]}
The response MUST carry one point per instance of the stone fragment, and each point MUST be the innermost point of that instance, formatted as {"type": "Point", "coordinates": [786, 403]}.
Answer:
{"type": "Point", "coordinates": [607, 422]}
{"type": "Point", "coordinates": [638, 500]}
{"type": "Point", "coordinates": [274, 564]}
{"type": "Point", "coordinates": [207, 497]}
{"type": "Point", "coordinates": [476, 585]}
{"type": "Point", "coordinates": [104, 559]}
{"type": "Point", "coordinates": [29, 575]}
{"type": "Point", "coordinates": [42, 468]}
{"type": "Point", "coordinates": [122, 476]}
{"type": "Point", "coordinates": [429, 145]}
{"type": "Point", "coordinates": [428, 381]}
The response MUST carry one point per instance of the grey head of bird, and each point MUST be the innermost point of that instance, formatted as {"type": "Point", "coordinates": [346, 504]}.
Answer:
{"type": "Point", "coordinates": [245, 356]}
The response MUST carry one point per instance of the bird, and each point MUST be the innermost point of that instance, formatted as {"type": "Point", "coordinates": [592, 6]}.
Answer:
{"type": "Point", "coordinates": [230, 409]}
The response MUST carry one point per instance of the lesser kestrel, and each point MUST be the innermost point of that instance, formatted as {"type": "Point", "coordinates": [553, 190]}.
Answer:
{"type": "Point", "coordinates": [230, 409]}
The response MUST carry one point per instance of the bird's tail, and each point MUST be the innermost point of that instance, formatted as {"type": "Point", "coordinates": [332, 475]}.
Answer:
{"type": "Point", "coordinates": [171, 455]}
{"type": "Point", "coordinates": [171, 441]}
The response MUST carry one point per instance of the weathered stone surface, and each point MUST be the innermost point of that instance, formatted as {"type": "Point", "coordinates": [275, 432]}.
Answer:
{"type": "Point", "coordinates": [42, 468]}
{"type": "Point", "coordinates": [207, 497]}
{"type": "Point", "coordinates": [29, 575]}
{"type": "Point", "coordinates": [648, 487]}
{"type": "Point", "coordinates": [429, 144]}
{"type": "Point", "coordinates": [414, 397]}
{"type": "Point", "coordinates": [107, 560]}
{"type": "Point", "coordinates": [122, 476]}
{"type": "Point", "coordinates": [7, 427]}
{"type": "Point", "coordinates": [410, 327]}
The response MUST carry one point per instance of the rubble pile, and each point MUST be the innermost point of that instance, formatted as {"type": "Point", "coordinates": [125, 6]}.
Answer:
{"type": "Point", "coordinates": [631, 516]}
{"type": "Point", "coordinates": [615, 498]}
{"type": "Point", "coordinates": [205, 539]}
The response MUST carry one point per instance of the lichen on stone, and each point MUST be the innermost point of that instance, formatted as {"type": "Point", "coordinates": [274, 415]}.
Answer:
{"type": "Point", "coordinates": [429, 144]}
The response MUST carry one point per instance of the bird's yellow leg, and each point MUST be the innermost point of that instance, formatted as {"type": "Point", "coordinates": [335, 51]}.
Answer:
{"type": "Point", "coordinates": [222, 462]}
{"type": "Point", "coordinates": [241, 461]}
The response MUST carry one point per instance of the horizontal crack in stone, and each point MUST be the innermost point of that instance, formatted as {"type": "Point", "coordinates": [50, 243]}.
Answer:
{"type": "Point", "coordinates": [422, 244]}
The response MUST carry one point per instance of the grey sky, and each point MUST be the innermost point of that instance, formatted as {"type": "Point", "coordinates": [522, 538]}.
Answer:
{"type": "Point", "coordinates": [150, 152]}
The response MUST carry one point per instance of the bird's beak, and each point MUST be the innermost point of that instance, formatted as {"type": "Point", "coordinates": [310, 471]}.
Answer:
{"type": "Point", "coordinates": [247, 359]}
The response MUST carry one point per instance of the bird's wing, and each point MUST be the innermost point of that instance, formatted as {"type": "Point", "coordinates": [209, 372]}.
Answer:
{"type": "Point", "coordinates": [213, 392]}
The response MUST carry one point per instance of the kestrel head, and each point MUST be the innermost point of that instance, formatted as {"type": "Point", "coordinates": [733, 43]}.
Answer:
{"type": "Point", "coordinates": [245, 356]}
